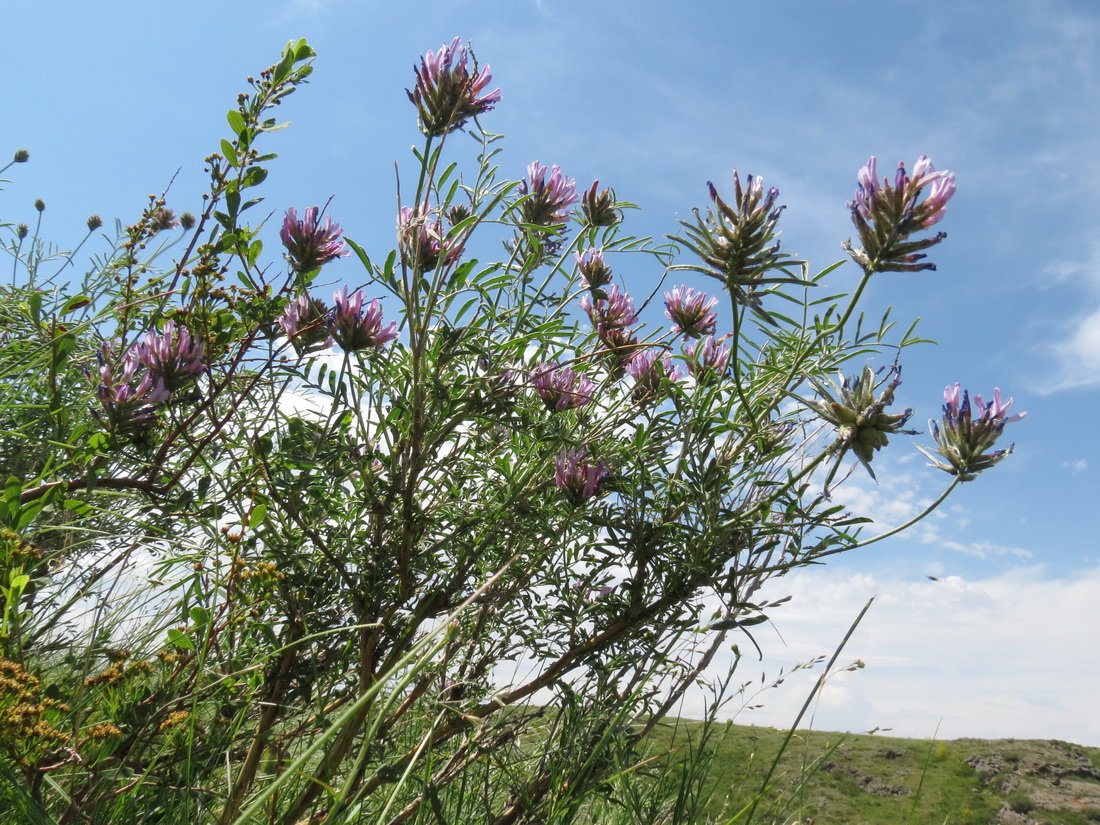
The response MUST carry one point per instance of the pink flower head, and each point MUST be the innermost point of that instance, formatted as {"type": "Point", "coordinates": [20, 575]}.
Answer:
{"type": "Point", "coordinates": [170, 355]}
{"type": "Point", "coordinates": [707, 359]}
{"type": "Point", "coordinates": [964, 443]}
{"type": "Point", "coordinates": [551, 194]}
{"type": "Point", "coordinates": [595, 272]}
{"type": "Point", "coordinates": [423, 244]}
{"type": "Point", "coordinates": [576, 476]}
{"type": "Point", "coordinates": [616, 311]}
{"type": "Point", "coordinates": [886, 214]}
{"type": "Point", "coordinates": [311, 245]}
{"type": "Point", "coordinates": [354, 328]}
{"type": "Point", "coordinates": [691, 312]}
{"type": "Point", "coordinates": [447, 93]}
{"type": "Point", "coordinates": [305, 323]}
{"type": "Point", "coordinates": [131, 395]}
{"type": "Point", "coordinates": [649, 368]}
{"type": "Point", "coordinates": [561, 388]}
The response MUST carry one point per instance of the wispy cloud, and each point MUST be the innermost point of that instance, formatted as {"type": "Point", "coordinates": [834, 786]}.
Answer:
{"type": "Point", "coordinates": [1006, 656]}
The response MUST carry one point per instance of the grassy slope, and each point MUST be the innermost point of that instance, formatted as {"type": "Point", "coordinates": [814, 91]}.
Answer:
{"type": "Point", "coordinates": [868, 780]}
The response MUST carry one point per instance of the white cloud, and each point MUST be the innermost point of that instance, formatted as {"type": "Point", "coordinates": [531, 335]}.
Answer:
{"type": "Point", "coordinates": [1076, 466]}
{"type": "Point", "coordinates": [1079, 355]}
{"type": "Point", "coordinates": [1008, 656]}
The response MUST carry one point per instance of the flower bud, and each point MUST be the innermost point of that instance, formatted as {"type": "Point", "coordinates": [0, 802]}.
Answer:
{"type": "Point", "coordinates": [736, 241]}
{"type": "Point", "coordinates": [21, 156]}
{"type": "Point", "coordinates": [595, 272]}
{"type": "Point", "coordinates": [862, 424]}
{"type": "Point", "coordinates": [94, 222]}
{"type": "Point", "coordinates": [598, 208]}
{"type": "Point", "coordinates": [40, 204]}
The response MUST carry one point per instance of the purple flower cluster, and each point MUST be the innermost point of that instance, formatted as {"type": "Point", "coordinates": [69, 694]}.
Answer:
{"type": "Point", "coordinates": [886, 215]}
{"type": "Point", "coordinates": [550, 194]}
{"type": "Point", "coordinates": [307, 322]}
{"type": "Point", "coordinates": [595, 272]}
{"type": "Point", "coordinates": [650, 368]}
{"type": "Point", "coordinates": [310, 245]}
{"type": "Point", "coordinates": [576, 476]}
{"type": "Point", "coordinates": [562, 388]}
{"type": "Point", "coordinates": [615, 311]}
{"type": "Point", "coordinates": [131, 395]}
{"type": "Point", "coordinates": [965, 442]}
{"type": "Point", "coordinates": [423, 241]}
{"type": "Point", "coordinates": [690, 311]}
{"type": "Point", "coordinates": [355, 328]}
{"type": "Point", "coordinates": [612, 317]}
{"type": "Point", "coordinates": [707, 359]}
{"type": "Point", "coordinates": [132, 389]}
{"type": "Point", "coordinates": [447, 93]}
{"type": "Point", "coordinates": [591, 594]}
{"type": "Point", "coordinates": [171, 355]}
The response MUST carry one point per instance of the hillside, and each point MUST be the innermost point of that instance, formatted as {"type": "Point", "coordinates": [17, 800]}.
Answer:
{"type": "Point", "coordinates": [882, 780]}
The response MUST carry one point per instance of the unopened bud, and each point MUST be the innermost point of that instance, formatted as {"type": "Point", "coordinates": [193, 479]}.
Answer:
{"type": "Point", "coordinates": [21, 156]}
{"type": "Point", "coordinates": [22, 230]}
{"type": "Point", "coordinates": [458, 213]}
{"type": "Point", "coordinates": [94, 222]}
{"type": "Point", "coordinates": [599, 207]}
{"type": "Point", "coordinates": [40, 205]}
{"type": "Point", "coordinates": [187, 220]}
{"type": "Point", "coordinates": [162, 218]}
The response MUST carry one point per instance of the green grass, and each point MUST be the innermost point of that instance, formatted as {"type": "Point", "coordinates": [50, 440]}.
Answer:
{"type": "Point", "coordinates": [882, 780]}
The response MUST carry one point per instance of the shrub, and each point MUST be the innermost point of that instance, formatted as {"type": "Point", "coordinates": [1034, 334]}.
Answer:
{"type": "Point", "coordinates": [451, 543]}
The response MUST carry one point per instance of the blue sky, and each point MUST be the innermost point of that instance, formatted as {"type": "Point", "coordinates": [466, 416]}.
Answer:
{"type": "Point", "coordinates": [654, 99]}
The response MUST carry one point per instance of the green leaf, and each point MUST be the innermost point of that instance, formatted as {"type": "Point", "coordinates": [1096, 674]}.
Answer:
{"type": "Point", "coordinates": [729, 624]}
{"type": "Point", "coordinates": [254, 250]}
{"type": "Point", "coordinates": [236, 121]}
{"type": "Point", "coordinates": [178, 638]}
{"type": "Point", "coordinates": [257, 517]}
{"type": "Point", "coordinates": [255, 176]}
{"type": "Point", "coordinates": [28, 513]}
{"type": "Point", "coordinates": [13, 490]}
{"type": "Point", "coordinates": [302, 51]}
{"type": "Point", "coordinates": [81, 508]}
{"type": "Point", "coordinates": [63, 345]}
{"type": "Point", "coordinates": [283, 68]}
{"type": "Point", "coordinates": [75, 303]}
{"type": "Point", "coordinates": [230, 153]}
{"type": "Point", "coordinates": [199, 615]}
{"type": "Point", "coordinates": [270, 125]}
